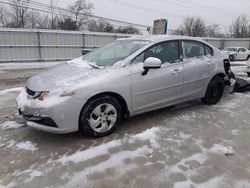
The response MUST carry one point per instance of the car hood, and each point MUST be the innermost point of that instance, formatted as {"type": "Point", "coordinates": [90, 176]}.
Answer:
{"type": "Point", "coordinates": [229, 52]}
{"type": "Point", "coordinates": [64, 75]}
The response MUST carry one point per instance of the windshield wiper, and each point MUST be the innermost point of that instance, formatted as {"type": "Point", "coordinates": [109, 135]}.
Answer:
{"type": "Point", "coordinates": [94, 65]}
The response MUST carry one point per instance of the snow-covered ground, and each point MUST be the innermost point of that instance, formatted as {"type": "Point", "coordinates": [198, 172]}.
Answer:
{"type": "Point", "coordinates": [190, 145]}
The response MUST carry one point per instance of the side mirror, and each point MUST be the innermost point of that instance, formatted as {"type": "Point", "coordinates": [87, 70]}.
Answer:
{"type": "Point", "coordinates": [85, 51]}
{"type": "Point", "coordinates": [151, 63]}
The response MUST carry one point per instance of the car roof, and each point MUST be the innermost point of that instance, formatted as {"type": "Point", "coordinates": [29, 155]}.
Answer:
{"type": "Point", "coordinates": [159, 38]}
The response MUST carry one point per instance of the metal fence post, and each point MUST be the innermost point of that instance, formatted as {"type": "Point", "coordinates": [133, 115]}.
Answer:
{"type": "Point", "coordinates": [222, 43]}
{"type": "Point", "coordinates": [83, 41]}
{"type": "Point", "coordinates": [39, 46]}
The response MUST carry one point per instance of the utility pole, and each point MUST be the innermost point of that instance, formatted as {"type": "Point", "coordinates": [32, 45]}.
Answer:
{"type": "Point", "coordinates": [52, 14]}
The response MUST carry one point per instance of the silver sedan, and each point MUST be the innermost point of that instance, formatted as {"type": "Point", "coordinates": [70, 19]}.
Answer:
{"type": "Point", "coordinates": [125, 78]}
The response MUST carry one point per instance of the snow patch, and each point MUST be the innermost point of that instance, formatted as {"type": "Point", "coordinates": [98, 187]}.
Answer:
{"type": "Point", "coordinates": [6, 91]}
{"type": "Point", "coordinates": [212, 183]}
{"type": "Point", "coordinates": [11, 125]}
{"type": "Point", "coordinates": [184, 136]}
{"type": "Point", "coordinates": [242, 184]}
{"type": "Point", "coordinates": [149, 134]}
{"type": "Point", "coordinates": [89, 153]}
{"type": "Point", "coordinates": [116, 160]}
{"type": "Point", "coordinates": [183, 184]}
{"type": "Point", "coordinates": [236, 132]}
{"type": "Point", "coordinates": [26, 145]}
{"type": "Point", "coordinates": [220, 149]}
{"type": "Point", "coordinates": [33, 174]}
{"type": "Point", "coordinates": [80, 156]}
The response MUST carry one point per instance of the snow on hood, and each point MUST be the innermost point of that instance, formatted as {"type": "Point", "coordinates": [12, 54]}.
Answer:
{"type": "Point", "coordinates": [64, 75]}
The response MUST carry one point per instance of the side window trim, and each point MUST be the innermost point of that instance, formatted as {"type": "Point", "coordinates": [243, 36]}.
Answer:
{"type": "Point", "coordinates": [157, 44]}
{"type": "Point", "coordinates": [194, 41]}
{"type": "Point", "coordinates": [212, 51]}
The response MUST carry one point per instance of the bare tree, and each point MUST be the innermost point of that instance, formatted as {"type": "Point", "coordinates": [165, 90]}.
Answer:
{"type": "Point", "coordinates": [239, 27]}
{"type": "Point", "coordinates": [101, 26]}
{"type": "Point", "coordinates": [192, 26]}
{"type": "Point", "coordinates": [128, 30]}
{"type": "Point", "coordinates": [81, 10]}
{"type": "Point", "coordinates": [67, 24]}
{"type": "Point", "coordinates": [54, 17]}
{"type": "Point", "coordinates": [44, 22]}
{"type": "Point", "coordinates": [33, 19]}
{"type": "Point", "coordinates": [20, 13]}
{"type": "Point", "coordinates": [214, 31]}
{"type": "Point", "coordinates": [3, 16]}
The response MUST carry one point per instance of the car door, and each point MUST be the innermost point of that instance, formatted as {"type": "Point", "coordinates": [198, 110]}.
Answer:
{"type": "Point", "coordinates": [198, 68]}
{"type": "Point", "coordinates": [158, 87]}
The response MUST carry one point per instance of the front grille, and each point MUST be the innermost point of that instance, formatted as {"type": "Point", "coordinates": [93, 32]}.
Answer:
{"type": "Point", "coordinates": [30, 92]}
{"type": "Point", "coordinates": [46, 121]}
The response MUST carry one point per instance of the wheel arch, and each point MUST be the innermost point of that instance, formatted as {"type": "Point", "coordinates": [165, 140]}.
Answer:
{"type": "Point", "coordinates": [118, 97]}
{"type": "Point", "coordinates": [222, 75]}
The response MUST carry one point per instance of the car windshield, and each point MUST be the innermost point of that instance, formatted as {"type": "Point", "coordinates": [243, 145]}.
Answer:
{"type": "Point", "coordinates": [114, 52]}
{"type": "Point", "coordinates": [230, 49]}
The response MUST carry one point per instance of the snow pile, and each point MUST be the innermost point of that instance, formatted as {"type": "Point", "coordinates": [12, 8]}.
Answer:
{"type": "Point", "coordinates": [26, 145]}
{"type": "Point", "coordinates": [6, 91]}
{"type": "Point", "coordinates": [11, 125]}
{"type": "Point", "coordinates": [150, 135]}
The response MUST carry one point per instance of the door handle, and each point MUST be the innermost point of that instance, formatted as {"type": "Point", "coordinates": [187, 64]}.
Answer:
{"type": "Point", "coordinates": [176, 71]}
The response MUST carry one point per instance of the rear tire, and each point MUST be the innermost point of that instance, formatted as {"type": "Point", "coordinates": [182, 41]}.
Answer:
{"type": "Point", "coordinates": [214, 91]}
{"type": "Point", "coordinates": [100, 116]}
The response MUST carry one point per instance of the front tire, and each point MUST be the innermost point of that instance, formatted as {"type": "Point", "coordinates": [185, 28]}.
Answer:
{"type": "Point", "coordinates": [231, 57]}
{"type": "Point", "coordinates": [100, 116]}
{"type": "Point", "coordinates": [214, 91]}
{"type": "Point", "coordinates": [248, 74]}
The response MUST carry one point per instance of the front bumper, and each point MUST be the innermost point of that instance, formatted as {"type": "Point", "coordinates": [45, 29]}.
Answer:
{"type": "Point", "coordinates": [54, 130]}
{"type": "Point", "coordinates": [60, 115]}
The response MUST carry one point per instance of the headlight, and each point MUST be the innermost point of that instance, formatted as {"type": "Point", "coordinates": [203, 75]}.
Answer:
{"type": "Point", "coordinates": [43, 95]}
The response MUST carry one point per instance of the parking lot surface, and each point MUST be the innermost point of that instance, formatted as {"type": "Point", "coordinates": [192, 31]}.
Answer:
{"type": "Point", "coordinates": [189, 145]}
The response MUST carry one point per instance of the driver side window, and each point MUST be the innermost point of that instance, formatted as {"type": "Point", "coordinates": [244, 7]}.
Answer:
{"type": "Point", "coordinates": [167, 52]}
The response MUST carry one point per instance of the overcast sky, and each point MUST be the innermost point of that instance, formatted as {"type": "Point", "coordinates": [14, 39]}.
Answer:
{"type": "Point", "coordinates": [220, 12]}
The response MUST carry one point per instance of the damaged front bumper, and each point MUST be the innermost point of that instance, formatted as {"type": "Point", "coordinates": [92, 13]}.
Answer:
{"type": "Point", "coordinates": [58, 115]}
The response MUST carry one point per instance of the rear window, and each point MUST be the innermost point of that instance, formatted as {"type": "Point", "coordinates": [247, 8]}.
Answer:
{"type": "Point", "coordinates": [193, 49]}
